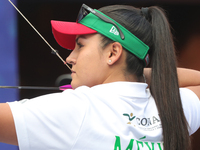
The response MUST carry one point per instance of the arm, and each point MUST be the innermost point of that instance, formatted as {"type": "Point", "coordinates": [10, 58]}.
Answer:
{"type": "Point", "coordinates": [187, 78]}
{"type": "Point", "coordinates": [7, 127]}
{"type": "Point", "coordinates": [190, 79]}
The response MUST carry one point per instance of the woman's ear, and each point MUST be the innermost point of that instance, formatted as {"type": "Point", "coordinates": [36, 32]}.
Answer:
{"type": "Point", "coordinates": [115, 52]}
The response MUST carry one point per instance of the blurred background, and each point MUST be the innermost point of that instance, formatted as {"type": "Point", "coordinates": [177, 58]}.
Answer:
{"type": "Point", "coordinates": [26, 60]}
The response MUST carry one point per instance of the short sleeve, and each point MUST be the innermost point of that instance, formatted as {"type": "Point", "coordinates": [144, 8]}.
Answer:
{"type": "Point", "coordinates": [48, 122]}
{"type": "Point", "coordinates": [191, 106]}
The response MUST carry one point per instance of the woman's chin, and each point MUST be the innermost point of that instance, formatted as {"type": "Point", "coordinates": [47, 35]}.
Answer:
{"type": "Point", "coordinates": [75, 84]}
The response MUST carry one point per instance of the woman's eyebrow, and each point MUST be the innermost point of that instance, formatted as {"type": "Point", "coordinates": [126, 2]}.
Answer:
{"type": "Point", "coordinates": [81, 36]}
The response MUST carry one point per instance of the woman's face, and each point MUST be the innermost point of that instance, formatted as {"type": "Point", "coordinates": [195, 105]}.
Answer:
{"type": "Point", "coordinates": [88, 61]}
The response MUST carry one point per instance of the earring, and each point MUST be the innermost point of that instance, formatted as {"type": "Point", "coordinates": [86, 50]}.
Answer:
{"type": "Point", "coordinates": [109, 61]}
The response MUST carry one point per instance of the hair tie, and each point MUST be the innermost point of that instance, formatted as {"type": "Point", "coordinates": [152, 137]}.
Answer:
{"type": "Point", "coordinates": [145, 12]}
{"type": "Point", "coordinates": [147, 60]}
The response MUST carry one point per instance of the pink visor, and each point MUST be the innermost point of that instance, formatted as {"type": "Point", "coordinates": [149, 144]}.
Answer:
{"type": "Point", "coordinates": [65, 32]}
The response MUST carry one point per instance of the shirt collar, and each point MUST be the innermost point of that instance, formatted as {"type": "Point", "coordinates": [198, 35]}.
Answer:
{"type": "Point", "coordinates": [132, 89]}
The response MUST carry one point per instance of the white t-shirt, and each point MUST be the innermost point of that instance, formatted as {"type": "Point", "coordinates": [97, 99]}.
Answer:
{"type": "Point", "coordinates": [113, 116]}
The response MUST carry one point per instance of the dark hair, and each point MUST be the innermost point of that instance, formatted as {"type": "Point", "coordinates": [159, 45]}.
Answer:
{"type": "Point", "coordinates": [154, 30]}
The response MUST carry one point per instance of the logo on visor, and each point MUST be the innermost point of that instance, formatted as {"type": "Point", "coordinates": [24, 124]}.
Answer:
{"type": "Point", "coordinates": [114, 30]}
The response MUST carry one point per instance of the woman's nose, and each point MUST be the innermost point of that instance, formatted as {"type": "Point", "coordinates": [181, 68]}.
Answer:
{"type": "Point", "coordinates": [70, 60]}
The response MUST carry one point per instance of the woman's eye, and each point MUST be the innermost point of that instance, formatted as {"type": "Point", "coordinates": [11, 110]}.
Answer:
{"type": "Point", "coordinates": [80, 45]}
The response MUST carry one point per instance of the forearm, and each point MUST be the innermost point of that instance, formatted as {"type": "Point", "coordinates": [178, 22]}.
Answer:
{"type": "Point", "coordinates": [190, 79]}
{"type": "Point", "coordinates": [186, 77]}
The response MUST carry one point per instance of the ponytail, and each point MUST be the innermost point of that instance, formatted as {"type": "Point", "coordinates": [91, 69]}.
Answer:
{"type": "Point", "coordinates": [151, 26]}
{"type": "Point", "coordinates": [164, 84]}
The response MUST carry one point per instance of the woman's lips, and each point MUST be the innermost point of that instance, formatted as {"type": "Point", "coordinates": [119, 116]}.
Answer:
{"type": "Point", "coordinates": [73, 72]}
